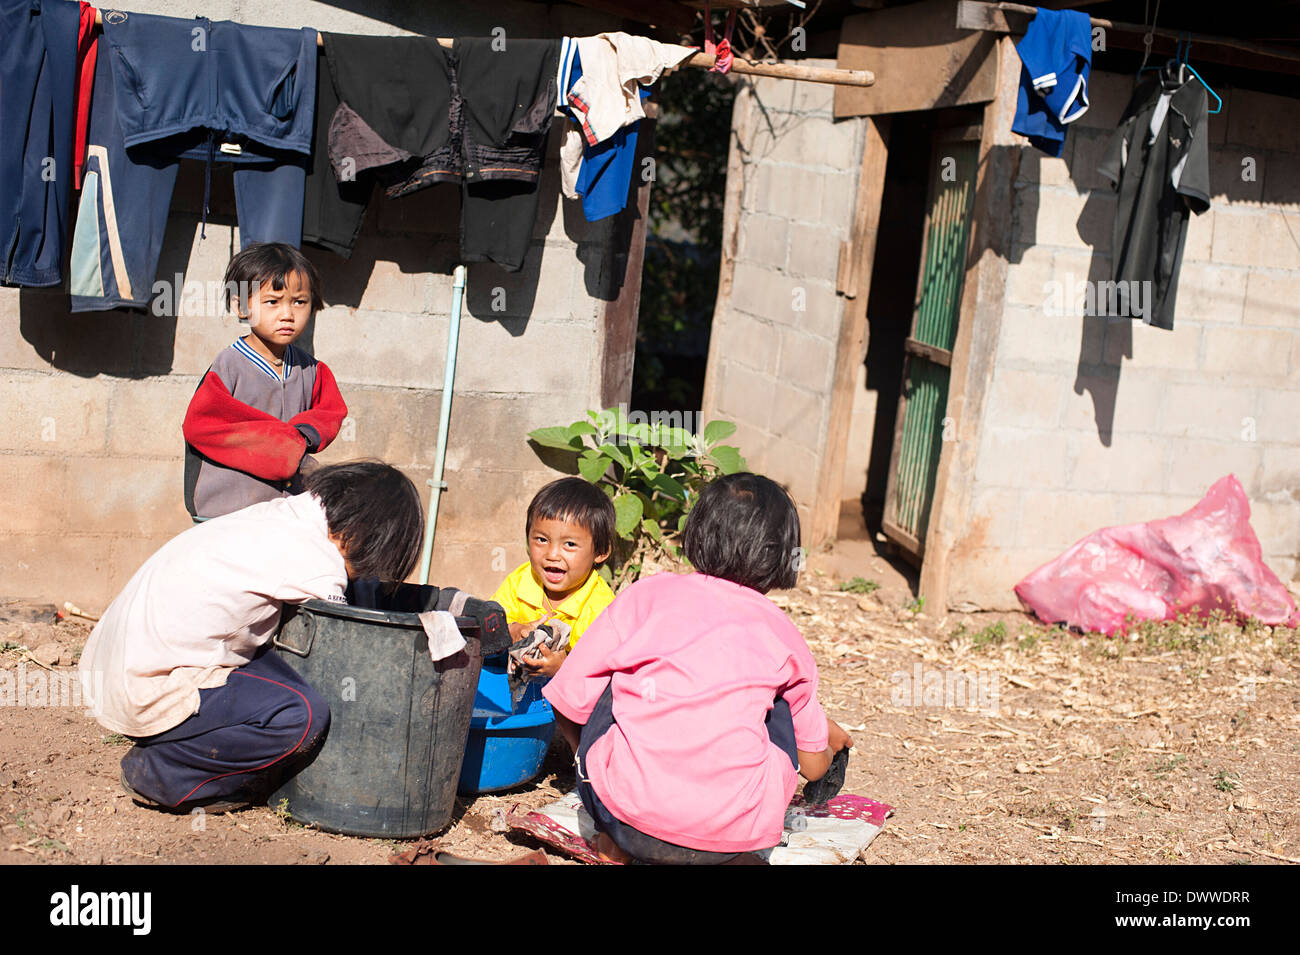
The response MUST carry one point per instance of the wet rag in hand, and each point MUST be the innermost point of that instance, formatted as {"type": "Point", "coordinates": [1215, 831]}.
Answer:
{"type": "Point", "coordinates": [821, 791]}
{"type": "Point", "coordinates": [553, 636]}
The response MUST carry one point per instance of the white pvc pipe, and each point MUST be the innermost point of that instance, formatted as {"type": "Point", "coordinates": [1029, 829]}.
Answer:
{"type": "Point", "coordinates": [436, 484]}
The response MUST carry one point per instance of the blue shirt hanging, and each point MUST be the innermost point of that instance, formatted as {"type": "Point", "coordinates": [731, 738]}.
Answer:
{"type": "Point", "coordinates": [1056, 56]}
{"type": "Point", "coordinates": [605, 176]}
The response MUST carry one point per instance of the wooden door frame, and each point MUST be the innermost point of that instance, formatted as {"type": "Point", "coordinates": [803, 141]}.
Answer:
{"type": "Point", "coordinates": [857, 256]}
{"type": "Point", "coordinates": [979, 325]}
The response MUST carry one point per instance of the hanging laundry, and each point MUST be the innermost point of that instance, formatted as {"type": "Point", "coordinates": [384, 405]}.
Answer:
{"type": "Point", "coordinates": [1056, 57]}
{"type": "Point", "coordinates": [386, 112]}
{"type": "Point", "coordinates": [605, 176]}
{"type": "Point", "coordinates": [722, 54]}
{"type": "Point", "coordinates": [410, 114]}
{"type": "Point", "coordinates": [1158, 161]}
{"type": "Point", "coordinates": [168, 89]}
{"type": "Point", "coordinates": [87, 53]}
{"type": "Point", "coordinates": [509, 98]}
{"type": "Point", "coordinates": [38, 71]}
{"type": "Point", "coordinates": [606, 104]}
{"type": "Point", "coordinates": [614, 67]}
{"type": "Point", "coordinates": [601, 175]}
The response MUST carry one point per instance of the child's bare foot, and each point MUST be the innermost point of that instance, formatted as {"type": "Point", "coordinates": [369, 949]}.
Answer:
{"type": "Point", "coordinates": [609, 850]}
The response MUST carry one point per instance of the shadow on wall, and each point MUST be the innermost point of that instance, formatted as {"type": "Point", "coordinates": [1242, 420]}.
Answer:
{"type": "Point", "coordinates": [1103, 341]}
{"type": "Point", "coordinates": [1239, 174]}
{"type": "Point", "coordinates": [130, 343]}
{"type": "Point", "coordinates": [417, 233]}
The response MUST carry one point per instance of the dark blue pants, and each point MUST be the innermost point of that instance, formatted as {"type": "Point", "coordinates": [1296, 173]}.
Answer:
{"type": "Point", "coordinates": [639, 845]}
{"type": "Point", "coordinates": [38, 66]}
{"type": "Point", "coordinates": [127, 190]}
{"type": "Point", "coordinates": [246, 737]}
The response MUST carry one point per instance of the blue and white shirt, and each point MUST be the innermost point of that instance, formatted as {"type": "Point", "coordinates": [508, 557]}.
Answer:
{"type": "Point", "coordinates": [1056, 54]}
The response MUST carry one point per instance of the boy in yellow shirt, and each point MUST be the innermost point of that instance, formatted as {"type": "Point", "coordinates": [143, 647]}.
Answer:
{"type": "Point", "coordinates": [570, 529]}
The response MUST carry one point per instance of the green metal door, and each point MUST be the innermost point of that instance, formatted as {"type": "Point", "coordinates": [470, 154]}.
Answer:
{"type": "Point", "coordinates": [918, 434]}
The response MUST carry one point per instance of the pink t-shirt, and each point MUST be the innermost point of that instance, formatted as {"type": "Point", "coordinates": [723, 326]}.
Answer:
{"type": "Point", "coordinates": [695, 664]}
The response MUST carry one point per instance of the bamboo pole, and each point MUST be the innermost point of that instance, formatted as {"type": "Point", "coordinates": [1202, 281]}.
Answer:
{"type": "Point", "coordinates": [705, 61]}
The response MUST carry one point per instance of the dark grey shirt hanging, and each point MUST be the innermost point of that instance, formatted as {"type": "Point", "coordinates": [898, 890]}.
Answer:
{"type": "Point", "coordinates": [1158, 162]}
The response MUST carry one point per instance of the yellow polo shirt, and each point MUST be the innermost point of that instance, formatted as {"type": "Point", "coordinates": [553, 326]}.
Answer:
{"type": "Point", "coordinates": [521, 596]}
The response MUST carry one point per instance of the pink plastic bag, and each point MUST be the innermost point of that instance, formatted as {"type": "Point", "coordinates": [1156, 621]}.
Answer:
{"type": "Point", "coordinates": [1206, 559]}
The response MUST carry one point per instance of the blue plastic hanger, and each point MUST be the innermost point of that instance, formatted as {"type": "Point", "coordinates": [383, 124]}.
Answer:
{"type": "Point", "coordinates": [1191, 69]}
{"type": "Point", "coordinates": [1180, 60]}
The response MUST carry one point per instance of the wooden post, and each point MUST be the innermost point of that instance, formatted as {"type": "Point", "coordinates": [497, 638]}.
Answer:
{"type": "Point", "coordinates": [974, 354]}
{"type": "Point", "coordinates": [851, 346]}
{"type": "Point", "coordinates": [622, 312]}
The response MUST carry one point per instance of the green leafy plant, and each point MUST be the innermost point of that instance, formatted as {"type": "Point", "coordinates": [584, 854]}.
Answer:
{"type": "Point", "coordinates": [653, 473]}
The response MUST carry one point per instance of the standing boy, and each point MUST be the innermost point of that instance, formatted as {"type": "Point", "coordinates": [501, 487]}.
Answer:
{"type": "Point", "coordinates": [264, 405]}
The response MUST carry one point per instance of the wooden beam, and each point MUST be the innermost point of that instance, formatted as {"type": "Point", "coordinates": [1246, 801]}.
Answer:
{"type": "Point", "coordinates": [1015, 18]}
{"type": "Point", "coordinates": [928, 62]}
{"type": "Point", "coordinates": [706, 61]}
{"type": "Point", "coordinates": [788, 71]}
{"type": "Point", "coordinates": [1164, 47]}
{"type": "Point", "coordinates": [940, 356]}
{"type": "Point", "coordinates": [851, 344]}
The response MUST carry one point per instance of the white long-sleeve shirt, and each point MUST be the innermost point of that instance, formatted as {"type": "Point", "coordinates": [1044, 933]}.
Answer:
{"type": "Point", "coordinates": [202, 606]}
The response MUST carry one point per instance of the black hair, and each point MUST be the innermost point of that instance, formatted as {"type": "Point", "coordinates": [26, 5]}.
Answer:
{"type": "Point", "coordinates": [744, 528]}
{"type": "Point", "coordinates": [375, 512]}
{"type": "Point", "coordinates": [573, 499]}
{"type": "Point", "coordinates": [268, 262]}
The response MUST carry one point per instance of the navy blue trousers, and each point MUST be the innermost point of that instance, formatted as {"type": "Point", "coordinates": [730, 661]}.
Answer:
{"type": "Point", "coordinates": [126, 196]}
{"type": "Point", "coordinates": [640, 845]}
{"type": "Point", "coordinates": [246, 738]}
{"type": "Point", "coordinates": [38, 68]}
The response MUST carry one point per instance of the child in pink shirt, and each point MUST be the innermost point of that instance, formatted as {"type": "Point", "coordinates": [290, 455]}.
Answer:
{"type": "Point", "coordinates": [691, 701]}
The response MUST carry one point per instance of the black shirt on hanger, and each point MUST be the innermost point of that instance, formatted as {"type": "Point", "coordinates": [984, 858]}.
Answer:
{"type": "Point", "coordinates": [1158, 161]}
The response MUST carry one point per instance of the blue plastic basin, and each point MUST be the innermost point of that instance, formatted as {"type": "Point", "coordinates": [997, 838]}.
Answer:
{"type": "Point", "coordinates": [504, 749]}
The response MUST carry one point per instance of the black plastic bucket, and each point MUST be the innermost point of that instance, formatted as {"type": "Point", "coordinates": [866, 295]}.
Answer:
{"type": "Point", "coordinates": [398, 721]}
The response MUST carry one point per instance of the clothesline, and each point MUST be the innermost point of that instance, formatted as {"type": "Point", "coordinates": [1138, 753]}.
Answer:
{"type": "Point", "coordinates": [705, 61]}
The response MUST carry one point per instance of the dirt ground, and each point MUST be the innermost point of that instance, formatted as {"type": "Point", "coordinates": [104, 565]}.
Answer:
{"type": "Point", "coordinates": [1017, 744]}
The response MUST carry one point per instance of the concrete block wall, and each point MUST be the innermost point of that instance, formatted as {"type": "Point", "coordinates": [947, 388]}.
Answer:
{"type": "Point", "coordinates": [772, 354]}
{"type": "Point", "coordinates": [90, 457]}
{"type": "Point", "coordinates": [1093, 422]}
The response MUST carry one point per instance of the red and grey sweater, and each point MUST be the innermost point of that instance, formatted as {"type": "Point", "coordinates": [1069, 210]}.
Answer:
{"type": "Point", "coordinates": [248, 428]}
